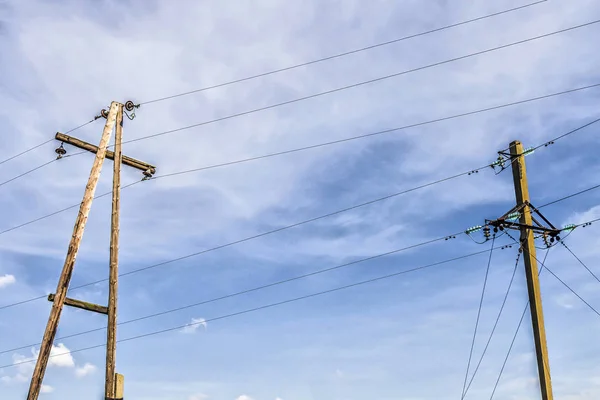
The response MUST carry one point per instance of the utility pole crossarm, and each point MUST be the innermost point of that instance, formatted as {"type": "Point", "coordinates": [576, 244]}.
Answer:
{"type": "Point", "coordinates": [129, 161]}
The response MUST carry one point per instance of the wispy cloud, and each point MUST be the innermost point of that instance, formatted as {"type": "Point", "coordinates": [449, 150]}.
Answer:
{"type": "Point", "coordinates": [6, 280]}
{"type": "Point", "coordinates": [86, 369]}
{"type": "Point", "coordinates": [193, 326]}
{"type": "Point", "coordinates": [54, 78]}
{"type": "Point", "coordinates": [46, 389]}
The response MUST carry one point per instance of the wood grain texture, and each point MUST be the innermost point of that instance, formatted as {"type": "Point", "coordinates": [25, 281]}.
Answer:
{"type": "Point", "coordinates": [67, 271]}
{"type": "Point", "coordinates": [531, 269]}
{"type": "Point", "coordinates": [111, 337]}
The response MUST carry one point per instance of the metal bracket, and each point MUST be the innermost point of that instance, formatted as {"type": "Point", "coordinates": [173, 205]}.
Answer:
{"type": "Point", "coordinates": [129, 106]}
{"type": "Point", "coordinates": [546, 230]}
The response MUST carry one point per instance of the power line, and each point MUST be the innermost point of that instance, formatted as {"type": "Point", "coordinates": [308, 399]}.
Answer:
{"type": "Point", "coordinates": [262, 287]}
{"type": "Point", "coordinates": [363, 83]}
{"type": "Point", "coordinates": [43, 143]}
{"type": "Point", "coordinates": [571, 195]}
{"type": "Point", "coordinates": [27, 172]}
{"type": "Point", "coordinates": [567, 134]}
{"type": "Point", "coordinates": [512, 343]}
{"type": "Point", "coordinates": [318, 272]}
{"type": "Point", "coordinates": [574, 292]}
{"type": "Point", "coordinates": [342, 54]}
{"type": "Point", "coordinates": [579, 259]}
{"type": "Point", "coordinates": [487, 272]}
{"type": "Point", "coordinates": [516, 332]}
{"type": "Point", "coordinates": [255, 236]}
{"type": "Point", "coordinates": [512, 278]}
{"type": "Point", "coordinates": [296, 299]}
{"type": "Point", "coordinates": [543, 266]}
{"type": "Point", "coordinates": [59, 212]}
{"type": "Point", "coordinates": [371, 134]}
{"type": "Point", "coordinates": [389, 131]}
{"type": "Point", "coordinates": [250, 237]}
{"type": "Point", "coordinates": [25, 151]}
{"type": "Point", "coordinates": [268, 305]}
{"type": "Point", "coordinates": [315, 146]}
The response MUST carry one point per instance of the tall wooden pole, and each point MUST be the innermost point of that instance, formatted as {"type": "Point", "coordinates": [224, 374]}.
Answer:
{"type": "Point", "coordinates": [531, 269]}
{"type": "Point", "coordinates": [111, 338]}
{"type": "Point", "coordinates": [65, 276]}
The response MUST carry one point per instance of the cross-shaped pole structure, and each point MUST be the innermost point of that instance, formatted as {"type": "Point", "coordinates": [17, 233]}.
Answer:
{"type": "Point", "coordinates": [114, 120]}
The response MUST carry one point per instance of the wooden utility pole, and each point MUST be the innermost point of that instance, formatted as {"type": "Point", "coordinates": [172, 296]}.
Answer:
{"type": "Point", "coordinates": [67, 271]}
{"type": "Point", "coordinates": [114, 381]}
{"type": "Point", "coordinates": [531, 268]}
{"type": "Point", "coordinates": [111, 338]}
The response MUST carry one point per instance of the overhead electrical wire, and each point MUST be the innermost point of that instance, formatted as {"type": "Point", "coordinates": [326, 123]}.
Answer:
{"type": "Point", "coordinates": [512, 343]}
{"type": "Point", "coordinates": [339, 141]}
{"type": "Point", "coordinates": [316, 294]}
{"type": "Point", "coordinates": [547, 143]}
{"type": "Point", "coordinates": [262, 287]}
{"type": "Point", "coordinates": [270, 305]}
{"type": "Point", "coordinates": [571, 195]}
{"type": "Point", "coordinates": [251, 237]}
{"type": "Point", "coordinates": [301, 65]}
{"type": "Point", "coordinates": [344, 140]}
{"type": "Point", "coordinates": [257, 235]}
{"type": "Point", "coordinates": [367, 82]}
{"type": "Point", "coordinates": [567, 134]}
{"type": "Point", "coordinates": [179, 327]}
{"type": "Point", "coordinates": [404, 127]}
{"type": "Point", "coordinates": [543, 266]}
{"type": "Point", "coordinates": [343, 54]}
{"type": "Point", "coordinates": [277, 230]}
{"type": "Point", "coordinates": [485, 280]}
{"type": "Point", "coordinates": [43, 143]}
{"type": "Point", "coordinates": [392, 130]}
{"type": "Point", "coordinates": [389, 42]}
{"type": "Point", "coordinates": [487, 345]}
{"type": "Point", "coordinates": [318, 272]}
{"type": "Point", "coordinates": [580, 261]}
{"type": "Point", "coordinates": [28, 172]}
{"type": "Point", "coordinates": [26, 151]}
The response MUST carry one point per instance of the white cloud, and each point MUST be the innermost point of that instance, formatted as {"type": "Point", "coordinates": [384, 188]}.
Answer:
{"type": "Point", "coordinates": [244, 397]}
{"type": "Point", "coordinates": [230, 203]}
{"type": "Point", "coordinates": [46, 389]}
{"type": "Point", "coordinates": [87, 369]}
{"type": "Point", "coordinates": [60, 356]}
{"type": "Point", "coordinates": [18, 378]}
{"type": "Point", "coordinates": [25, 364]}
{"type": "Point", "coordinates": [6, 280]}
{"type": "Point", "coordinates": [194, 325]}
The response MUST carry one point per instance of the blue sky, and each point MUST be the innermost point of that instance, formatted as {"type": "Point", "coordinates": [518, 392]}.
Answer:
{"type": "Point", "coordinates": [64, 60]}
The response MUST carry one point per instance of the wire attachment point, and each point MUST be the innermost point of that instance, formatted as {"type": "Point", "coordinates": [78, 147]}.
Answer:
{"type": "Point", "coordinates": [130, 106]}
{"type": "Point", "coordinates": [60, 151]}
{"type": "Point", "coordinates": [147, 175]}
